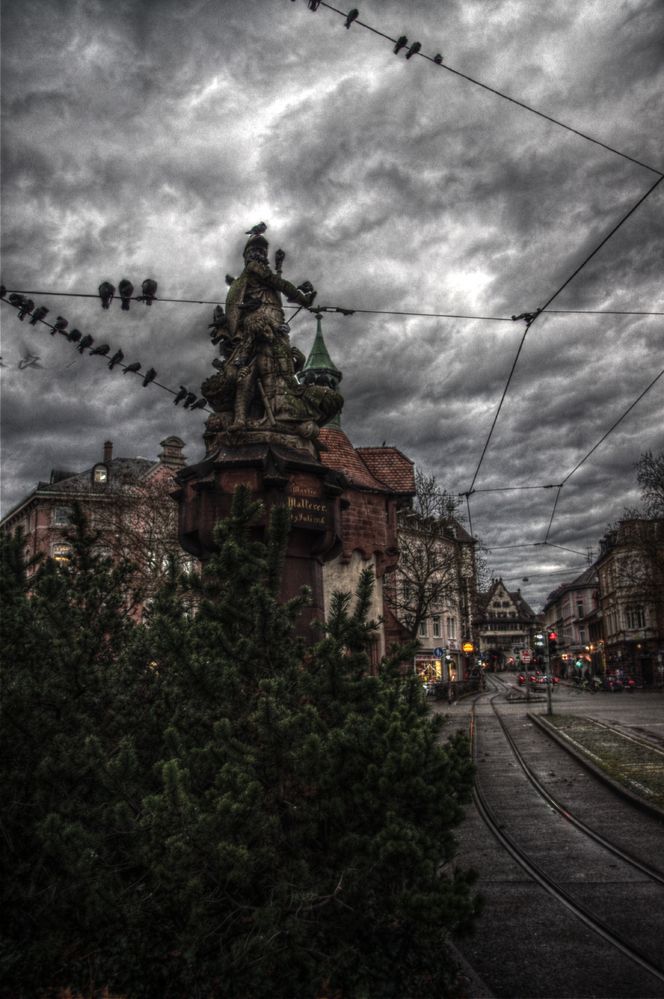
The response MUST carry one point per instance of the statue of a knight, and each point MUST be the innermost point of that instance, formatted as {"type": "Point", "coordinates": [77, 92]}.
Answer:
{"type": "Point", "coordinates": [255, 388]}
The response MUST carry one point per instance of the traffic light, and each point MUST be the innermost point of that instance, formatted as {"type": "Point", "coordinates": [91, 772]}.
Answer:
{"type": "Point", "coordinates": [553, 643]}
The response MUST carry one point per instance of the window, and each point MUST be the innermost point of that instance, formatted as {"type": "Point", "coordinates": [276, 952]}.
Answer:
{"type": "Point", "coordinates": [451, 627]}
{"type": "Point", "coordinates": [423, 629]}
{"type": "Point", "coordinates": [100, 473]}
{"type": "Point", "coordinates": [61, 516]}
{"type": "Point", "coordinates": [579, 608]}
{"type": "Point", "coordinates": [436, 625]}
{"type": "Point", "coordinates": [61, 552]}
{"type": "Point", "coordinates": [635, 617]}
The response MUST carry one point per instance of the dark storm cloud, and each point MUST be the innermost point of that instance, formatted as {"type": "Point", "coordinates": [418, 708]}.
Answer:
{"type": "Point", "coordinates": [146, 137]}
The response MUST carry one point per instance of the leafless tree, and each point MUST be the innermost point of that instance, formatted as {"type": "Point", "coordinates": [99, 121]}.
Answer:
{"type": "Point", "coordinates": [640, 535]}
{"type": "Point", "coordinates": [138, 522]}
{"type": "Point", "coordinates": [434, 564]}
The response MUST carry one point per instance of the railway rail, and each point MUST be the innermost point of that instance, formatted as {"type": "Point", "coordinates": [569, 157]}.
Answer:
{"type": "Point", "coordinates": [650, 963]}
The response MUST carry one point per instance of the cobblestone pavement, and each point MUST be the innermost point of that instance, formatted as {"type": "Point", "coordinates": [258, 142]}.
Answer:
{"type": "Point", "coordinates": [528, 944]}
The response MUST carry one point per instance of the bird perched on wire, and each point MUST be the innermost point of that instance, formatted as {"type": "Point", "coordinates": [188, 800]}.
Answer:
{"type": "Point", "coordinates": [200, 404]}
{"type": "Point", "coordinates": [256, 230]}
{"type": "Point", "coordinates": [38, 314]}
{"type": "Point", "coordinates": [16, 299]}
{"type": "Point", "coordinates": [74, 336]}
{"type": "Point", "coordinates": [87, 341]}
{"type": "Point", "coordinates": [438, 58]}
{"type": "Point", "coordinates": [189, 398]}
{"type": "Point", "coordinates": [106, 293]}
{"type": "Point", "coordinates": [135, 366]}
{"type": "Point", "coordinates": [25, 309]}
{"type": "Point", "coordinates": [415, 47]}
{"type": "Point", "coordinates": [352, 16]}
{"type": "Point", "coordinates": [126, 290]}
{"type": "Point", "coordinates": [149, 289]}
{"type": "Point", "coordinates": [402, 41]}
{"type": "Point", "coordinates": [182, 394]}
{"type": "Point", "coordinates": [117, 357]}
{"type": "Point", "coordinates": [102, 350]}
{"type": "Point", "coordinates": [60, 325]}
{"type": "Point", "coordinates": [150, 376]}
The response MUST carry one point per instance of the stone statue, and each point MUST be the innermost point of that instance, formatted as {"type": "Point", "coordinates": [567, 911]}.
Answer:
{"type": "Point", "coordinates": [255, 393]}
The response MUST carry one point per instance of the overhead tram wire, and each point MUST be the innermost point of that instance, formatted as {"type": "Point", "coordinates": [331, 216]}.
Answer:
{"type": "Point", "coordinates": [504, 96]}
{"type": "Point", "coordinates": [535, 315]}
{"type": "Point", "coordinates": [124, 367]}
{"type": "Point", "coordinates": [600, 441]}
{"type": "Point", "coordinates": [343, 310]}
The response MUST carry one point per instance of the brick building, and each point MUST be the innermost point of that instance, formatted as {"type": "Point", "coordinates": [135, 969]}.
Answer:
{"type": "Point", "coordinates": [126, 500]}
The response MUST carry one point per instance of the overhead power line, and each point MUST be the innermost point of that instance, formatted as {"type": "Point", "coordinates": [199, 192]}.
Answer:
{"type": "Point", "coordinates": [113, 358]}
{"type": "Point", "coordinates": [600, 441]}
{"type": "Point", "coordinates": [530, 318]}
{"type": "Point", "coordinates": [531, 544]}
{"type": "Point", "coordinates": [349, 311]}
{"type": "Point", "coordinates": [437, 60]}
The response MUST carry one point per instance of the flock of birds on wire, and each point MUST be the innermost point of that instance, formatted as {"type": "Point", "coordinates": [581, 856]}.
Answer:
{"type": "Point", "coordinates": [85, 342]}
{"type": "Point", "coordinates": [401, 43]}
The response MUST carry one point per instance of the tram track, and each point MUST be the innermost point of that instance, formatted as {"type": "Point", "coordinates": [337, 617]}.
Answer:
{"type": "Point", "coordinates": [536, 870]}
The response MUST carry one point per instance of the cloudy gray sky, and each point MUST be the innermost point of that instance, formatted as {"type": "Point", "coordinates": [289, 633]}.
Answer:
{"type": "Point", "coordinates": [141, 139]}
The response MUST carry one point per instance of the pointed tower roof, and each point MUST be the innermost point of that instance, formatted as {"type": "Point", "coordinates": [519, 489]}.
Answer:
{"type": "Point", "coordinates": [319, 369]}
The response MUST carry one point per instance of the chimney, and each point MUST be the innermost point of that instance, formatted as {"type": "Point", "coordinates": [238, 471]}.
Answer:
{"type": "Point", "coordinates": [171, 454]}
{"type": "Point", "coordinates": [108, 452]}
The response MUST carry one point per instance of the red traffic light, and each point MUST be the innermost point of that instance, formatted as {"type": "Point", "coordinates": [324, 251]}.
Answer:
{"type": "Point", "coordinates": [552, 636]}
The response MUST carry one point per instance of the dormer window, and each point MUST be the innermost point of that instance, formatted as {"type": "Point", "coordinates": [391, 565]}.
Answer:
{"type": "Point", "coordinates": [100, 474]}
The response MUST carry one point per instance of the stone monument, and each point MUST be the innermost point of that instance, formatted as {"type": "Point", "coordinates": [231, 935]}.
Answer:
{"type": "Point", "coordinates": [264, 430]}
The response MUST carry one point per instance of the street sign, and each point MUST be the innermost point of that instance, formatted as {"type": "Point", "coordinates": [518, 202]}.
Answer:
{"type": "Point", "coordinates": [439, 653]}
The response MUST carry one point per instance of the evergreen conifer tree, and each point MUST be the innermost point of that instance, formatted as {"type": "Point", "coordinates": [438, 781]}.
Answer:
{"type": "Point", "coordinates": [260, 819]}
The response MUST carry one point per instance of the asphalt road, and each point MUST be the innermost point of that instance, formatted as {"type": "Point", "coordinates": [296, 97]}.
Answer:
{"type": "Point", "coordinates": [528, 943]}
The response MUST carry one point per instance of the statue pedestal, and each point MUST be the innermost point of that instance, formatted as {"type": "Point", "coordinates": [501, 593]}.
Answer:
{"type": "Point", "coordinates": [277, 475]}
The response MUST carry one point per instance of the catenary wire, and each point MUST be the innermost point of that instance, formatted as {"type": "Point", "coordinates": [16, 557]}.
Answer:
{"type": "Point", "coordinates": [350, 311]}
{"type": "Point", "coordinates": [500, 93]}
{"type": "Point", "coordinates": [534, 316]}
{"type": "Point", "coordinates": [119, 364]}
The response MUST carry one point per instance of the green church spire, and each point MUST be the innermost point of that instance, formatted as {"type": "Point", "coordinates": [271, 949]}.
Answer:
{"type": "Point", "coordinates": [319, 369]}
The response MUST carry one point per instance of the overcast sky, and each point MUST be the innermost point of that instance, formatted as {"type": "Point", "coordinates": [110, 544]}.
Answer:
{"type": "Point", "coordinates": [142, 139]}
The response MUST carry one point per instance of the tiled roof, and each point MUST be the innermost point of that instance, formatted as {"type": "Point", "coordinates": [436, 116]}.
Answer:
{"type": "Point", "coordinates": [343, 457]}
{"type": "Point", "coordinates": [390, 466]}
{"type": "Point", "coordinates": [123, 470]}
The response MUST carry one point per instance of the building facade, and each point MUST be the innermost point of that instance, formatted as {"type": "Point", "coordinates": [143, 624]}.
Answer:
{"type": "Point", "coordinates": [571, 611]}
{"type": "Point", "coordinates": [630, 572]}
{"type": "Point", "coordinates": [506, 624]}
{"type": "Point", "coordinates": [126, 501]}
